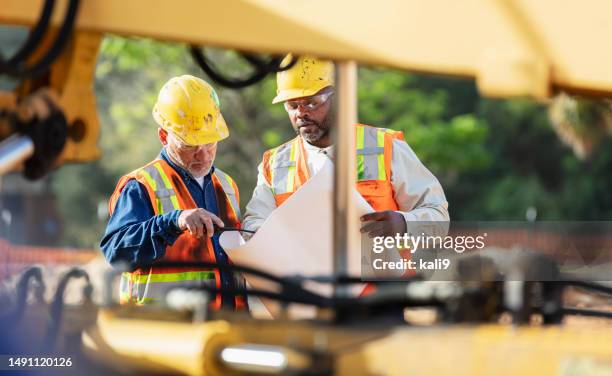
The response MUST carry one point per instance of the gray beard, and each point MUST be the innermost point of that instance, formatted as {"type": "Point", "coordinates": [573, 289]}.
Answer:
{"type": "Point", "coordinates": [174, 159]}
{"type": "Point", "coordinates": [314, 137]}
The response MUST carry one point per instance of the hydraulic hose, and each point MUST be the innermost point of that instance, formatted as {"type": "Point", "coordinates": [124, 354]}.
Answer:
{"type": "Point", "coordinates": [35, 36]}
{"type": "Point", "coordinates": [261, 68]}
{"type": "Point", "coordinates": [23, 71]}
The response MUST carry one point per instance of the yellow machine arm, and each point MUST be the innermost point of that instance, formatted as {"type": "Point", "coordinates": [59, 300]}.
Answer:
{"type": "Point", "coordinates": [510, 47]}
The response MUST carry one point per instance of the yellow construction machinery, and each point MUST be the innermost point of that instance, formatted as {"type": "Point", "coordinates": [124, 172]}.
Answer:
{"type": "Point", "coordinates": [473, 326]}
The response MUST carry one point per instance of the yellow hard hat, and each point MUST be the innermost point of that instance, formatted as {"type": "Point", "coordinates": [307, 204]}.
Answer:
{"type": "Point", "coordinates": [305, 78]}
{"type": "Point", "coordinates": [188, 107]}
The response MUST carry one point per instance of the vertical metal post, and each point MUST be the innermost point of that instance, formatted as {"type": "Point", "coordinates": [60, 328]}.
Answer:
{"type": "Point", "coordinates": [345, 231]}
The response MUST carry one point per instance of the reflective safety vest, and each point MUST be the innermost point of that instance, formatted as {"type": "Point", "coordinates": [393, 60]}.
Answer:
{"type": "Point", "coordinates": [168, 192]}
{"type": "Point", "coordinates": [285, 168]}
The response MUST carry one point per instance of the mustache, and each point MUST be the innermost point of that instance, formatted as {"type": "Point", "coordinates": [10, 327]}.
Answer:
{"type": "Point", "coordinates": [303, 123]}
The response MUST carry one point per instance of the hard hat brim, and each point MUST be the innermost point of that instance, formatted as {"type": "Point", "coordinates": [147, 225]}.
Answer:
{"type": "Point", "coordinates": [198, 139]}
{"type": "Point", "coordinates": [221, 133]}
{"type": "Point", "coordinates": [289, 94]}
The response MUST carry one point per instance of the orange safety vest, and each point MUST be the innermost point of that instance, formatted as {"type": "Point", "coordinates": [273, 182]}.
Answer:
{"type": "Point", "coordinates": [168, 192]}
{"type": "Point", "coordinates": [285, 168]}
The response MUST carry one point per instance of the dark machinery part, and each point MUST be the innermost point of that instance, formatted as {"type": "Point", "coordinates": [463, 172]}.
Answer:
{"type": "Point", "coordinates": [486, 287]}
{"type": "Point", "coordinates": [522, 284]}
{"type": "Point", "coordinates": [23, 287]}
{"type": "Point", "coordinates": [49, 137]}
{"type": "Point", "coordinates": [261, 68]}
{"type": "Point", "coordinates": [481, 293]}
{"type": "Point", "coordinates": [38, 143]}
{"type": "Point", "coordinates": [57, 305]}
{"type": "Point", "coordinates": [17, 66]}
{"type": "Point", "coordinates": [219, 230]}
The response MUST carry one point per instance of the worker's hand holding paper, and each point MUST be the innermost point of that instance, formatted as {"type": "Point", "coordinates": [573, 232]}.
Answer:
{"type": "Point", "coordinates": [297, 237]}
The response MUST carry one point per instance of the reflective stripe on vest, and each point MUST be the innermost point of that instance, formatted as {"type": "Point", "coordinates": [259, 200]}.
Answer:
{"type": "Point", "coordinates": [228, 187]}
{"type": "Point", "coordinates": [140, 289]}
{"type": "Point", "coordinates": [283, 164]}
{"type": "Point", "coordinates": [370, 145]}
{"type": "Point", "coordinates": [160, 183]}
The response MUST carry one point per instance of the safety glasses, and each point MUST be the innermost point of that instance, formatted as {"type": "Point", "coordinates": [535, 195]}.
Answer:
{"type": "Point", "coordinates": [189, 148]}
{"type": "Point", "coordinates": [310, 104]}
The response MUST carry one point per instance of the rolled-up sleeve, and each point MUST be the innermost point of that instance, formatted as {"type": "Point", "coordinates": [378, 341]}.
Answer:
{"type": "Point", "coordinates": [418, 193]}
{"type": "Point", "coordinates": [134, 234]}
{"type": "Point", "coordinates": [261, 205]}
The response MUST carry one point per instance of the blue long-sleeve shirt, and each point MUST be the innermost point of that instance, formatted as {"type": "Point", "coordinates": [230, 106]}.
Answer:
{"type": "Point", "coordinates": [134, 233]}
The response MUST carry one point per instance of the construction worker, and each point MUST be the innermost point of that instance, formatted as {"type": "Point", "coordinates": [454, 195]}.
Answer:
{"type": "Point", "coordinates": [389, 175]}
{"type": "Point", "coordinates": [167, 210]}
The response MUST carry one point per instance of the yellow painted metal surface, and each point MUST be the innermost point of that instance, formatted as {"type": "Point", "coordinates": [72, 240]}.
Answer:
{"type": "Point", "coordinates": [137, 345]}
{"type": "Point", "coordinates": [73, 76]}
{"type": "Point", "coordinates": [512, 47]}
{"type": "Point", "coordinates": [142, 344]}
{"type": "Point", "coordinates": [486, 350]}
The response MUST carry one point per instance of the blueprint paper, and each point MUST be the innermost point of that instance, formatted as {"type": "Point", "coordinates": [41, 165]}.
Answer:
{"type": "Point", "coordinates": [297, 237]}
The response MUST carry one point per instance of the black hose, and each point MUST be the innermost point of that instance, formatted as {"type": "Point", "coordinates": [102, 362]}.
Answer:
{"type": "Point", "coordinates": [35, 36]}
{"type": "Point", "coordinates": [319, 301]}
{"type": "Point", "coordinates": [593, 286]}
{"type": "Point", "coordinates": [214, 265]}
{"type": "Point", "coordinates": [261, 68]}
{"type": "Point", "coordinates": [349, 280]}
{"type": "Point", "coordinates": [288, 287]}
{"type": "Point", "coordinates": [587, 312]}
{"type": "Point", "coordinates": [57, 305]}
{"type": "Point", "coordinates": [42, 65]}
{"type": "Point", "coordinates": [255, 60]}
{"type": "Point", "coordinates": [293, 292]}
{"type": "Point", "coordinates": [289, 65]}
{"type": "Point", "coordinates": [396, 296]}
{"type": "Point", "coordinates": [212, 72]}
{"type": "Point", "coordinates": [22, 293]}
{"type": "Point", "coordinates": [273, 65]}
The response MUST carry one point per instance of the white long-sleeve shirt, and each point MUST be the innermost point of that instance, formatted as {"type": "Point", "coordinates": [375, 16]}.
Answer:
{"type": "Point", "coordinates": [416, 190]}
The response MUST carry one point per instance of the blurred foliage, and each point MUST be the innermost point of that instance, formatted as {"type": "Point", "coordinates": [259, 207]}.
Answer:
{"type": "Point", "coordinates": [494, 158]}
{"type": "Point", "coordinates": [581, 124]}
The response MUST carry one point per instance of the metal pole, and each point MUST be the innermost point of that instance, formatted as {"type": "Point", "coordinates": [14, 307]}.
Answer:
{"type": "Point", "coordinates": [13, 151]}
{"type": "Point", "coordinates": [346, 233]}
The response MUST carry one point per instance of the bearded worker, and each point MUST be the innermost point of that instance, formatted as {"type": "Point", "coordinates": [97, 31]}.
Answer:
{"type": "Point", "coordinates": [389, 175]}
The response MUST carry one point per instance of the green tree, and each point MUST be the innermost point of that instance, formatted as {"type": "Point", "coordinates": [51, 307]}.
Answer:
{"type": "Point", "coordinates": [494, 158]}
